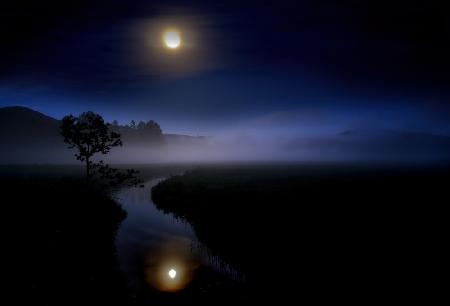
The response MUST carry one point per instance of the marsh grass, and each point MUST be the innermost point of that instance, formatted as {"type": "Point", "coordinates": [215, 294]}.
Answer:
{"type": "Point", "coordinates": [341, 230]}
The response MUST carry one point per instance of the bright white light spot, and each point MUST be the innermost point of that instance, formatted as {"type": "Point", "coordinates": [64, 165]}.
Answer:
{"type": "Point", "coordinates": [172, 39]}
{"type": "Point", "coordinates": [172, 273]}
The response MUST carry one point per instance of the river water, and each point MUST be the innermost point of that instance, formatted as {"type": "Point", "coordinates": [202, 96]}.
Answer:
{"type": "Point", "coordinates": [156, 250]}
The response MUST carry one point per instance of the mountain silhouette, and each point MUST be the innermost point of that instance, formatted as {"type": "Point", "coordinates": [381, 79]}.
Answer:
{"type": "Point", "coordinates": [28, 136]}
{"type": "Point", "coordinates": [22, 125]}
{"type": "Point", "coordinates": [393, 142]}
{"type": "Point", "coordinates": [372, 144]}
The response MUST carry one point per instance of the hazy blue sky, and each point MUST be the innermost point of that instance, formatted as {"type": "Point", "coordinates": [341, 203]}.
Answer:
{"type": "Point", "coordinates": [298, 67]}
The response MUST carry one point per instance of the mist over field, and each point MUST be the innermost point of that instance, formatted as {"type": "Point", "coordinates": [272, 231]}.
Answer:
{"type": "Point", "coordinates": [343, 147]}
{"type": "Point", "coordinates": [31, 137]}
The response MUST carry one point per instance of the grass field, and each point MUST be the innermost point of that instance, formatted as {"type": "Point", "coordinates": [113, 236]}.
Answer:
{"type": "Point", "coordinates": [294, 230]}
{"type": "Point", "coordinates": [339, 228]}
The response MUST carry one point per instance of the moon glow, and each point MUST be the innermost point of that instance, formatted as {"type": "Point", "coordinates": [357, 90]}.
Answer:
{"type": "Point", "coordinates": [172, 273]}
{"type": "Point", "coordinates": [172, 39]}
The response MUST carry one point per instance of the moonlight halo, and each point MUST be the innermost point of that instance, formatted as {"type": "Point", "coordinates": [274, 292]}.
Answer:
{"type": "Point", "coordinates": [172, 39]}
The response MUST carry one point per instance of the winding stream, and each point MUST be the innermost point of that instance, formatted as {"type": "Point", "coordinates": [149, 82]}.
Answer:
{"type": "Point", "coordinates": [152, 245]}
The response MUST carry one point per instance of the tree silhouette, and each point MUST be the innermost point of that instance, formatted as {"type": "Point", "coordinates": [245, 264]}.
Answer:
{"type": "Point", "coordinates": [141, 125]}
{"type": "Point", "coordinates": [89, 134]}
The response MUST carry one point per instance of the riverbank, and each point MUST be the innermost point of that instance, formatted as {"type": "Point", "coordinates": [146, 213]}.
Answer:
{"type": "Point", "coordinates": [314, 230]}
{"type": "Point", "coordinates": [67, 240]}
{"type": "Point", "coordinates": [150, 243]}
{"type": "Point", "coordinates": [63, 234]}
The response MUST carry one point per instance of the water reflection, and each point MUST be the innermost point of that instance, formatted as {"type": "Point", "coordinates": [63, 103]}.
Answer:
{"type": "Point", "coordinates": [172, 273]}
{"type": "Point", "coordinates": [172, 268]}
{"type": "Point", "coordinates": [150, 244]}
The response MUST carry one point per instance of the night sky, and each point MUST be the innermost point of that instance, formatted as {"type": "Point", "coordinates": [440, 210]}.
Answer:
{"type": "Point", "coordinates": [303, 66]}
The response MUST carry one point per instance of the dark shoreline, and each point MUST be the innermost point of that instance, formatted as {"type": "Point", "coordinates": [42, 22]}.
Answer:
{"type": "Point", "coordinates": [291, 229]}
{"type": "Point", "coordinates": [64, 236]}
{"type": "Point", "coordinates": [66, 233]}
{"type": "Point", "coordinates": [336, 227]}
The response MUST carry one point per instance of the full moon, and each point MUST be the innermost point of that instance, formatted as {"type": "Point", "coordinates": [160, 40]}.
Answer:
{"type": "Point", "coordinates": [172, 39]}
{"type": "Point", "coordinates": [172, 273]}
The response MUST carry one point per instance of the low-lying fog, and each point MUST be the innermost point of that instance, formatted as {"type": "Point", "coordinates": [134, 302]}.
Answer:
{"type": "Point", "coordinates": [30, 137]}
{"type": "Point", "coordinates": [348, 145]}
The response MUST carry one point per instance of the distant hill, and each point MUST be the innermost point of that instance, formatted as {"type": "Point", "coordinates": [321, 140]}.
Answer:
{"type": "Point", "coordinates": [184, 139]}
{"type": "Point", "coordinates": [21, 125]}
{"type": "Point", "coordinates": [399, 143]}
{"type": "Point", "coordinates": [377, 144]}
{"type": "Point", "coordinates": [28, 136]}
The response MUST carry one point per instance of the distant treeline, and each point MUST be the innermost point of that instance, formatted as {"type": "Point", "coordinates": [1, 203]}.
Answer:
{"type": "Point", "coordinates": [141, 133]}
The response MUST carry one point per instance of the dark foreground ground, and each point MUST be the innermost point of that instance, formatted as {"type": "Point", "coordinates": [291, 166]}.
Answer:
{"type": "Point", "coordinates": [314, 233]}
{"type": "Point", "coordinates": [60, 242]}
{"type": "Point", "coordinates": [62, 237]}
{"type": "Point", "coordinates": [307, 233]}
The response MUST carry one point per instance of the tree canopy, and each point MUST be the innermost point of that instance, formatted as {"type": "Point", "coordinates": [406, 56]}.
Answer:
{"type": "Point", "coordinates": [90, 135]}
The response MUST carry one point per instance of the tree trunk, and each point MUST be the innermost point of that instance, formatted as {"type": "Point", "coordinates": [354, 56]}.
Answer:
{"type": "Point", "coordinates": [88, 172]}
